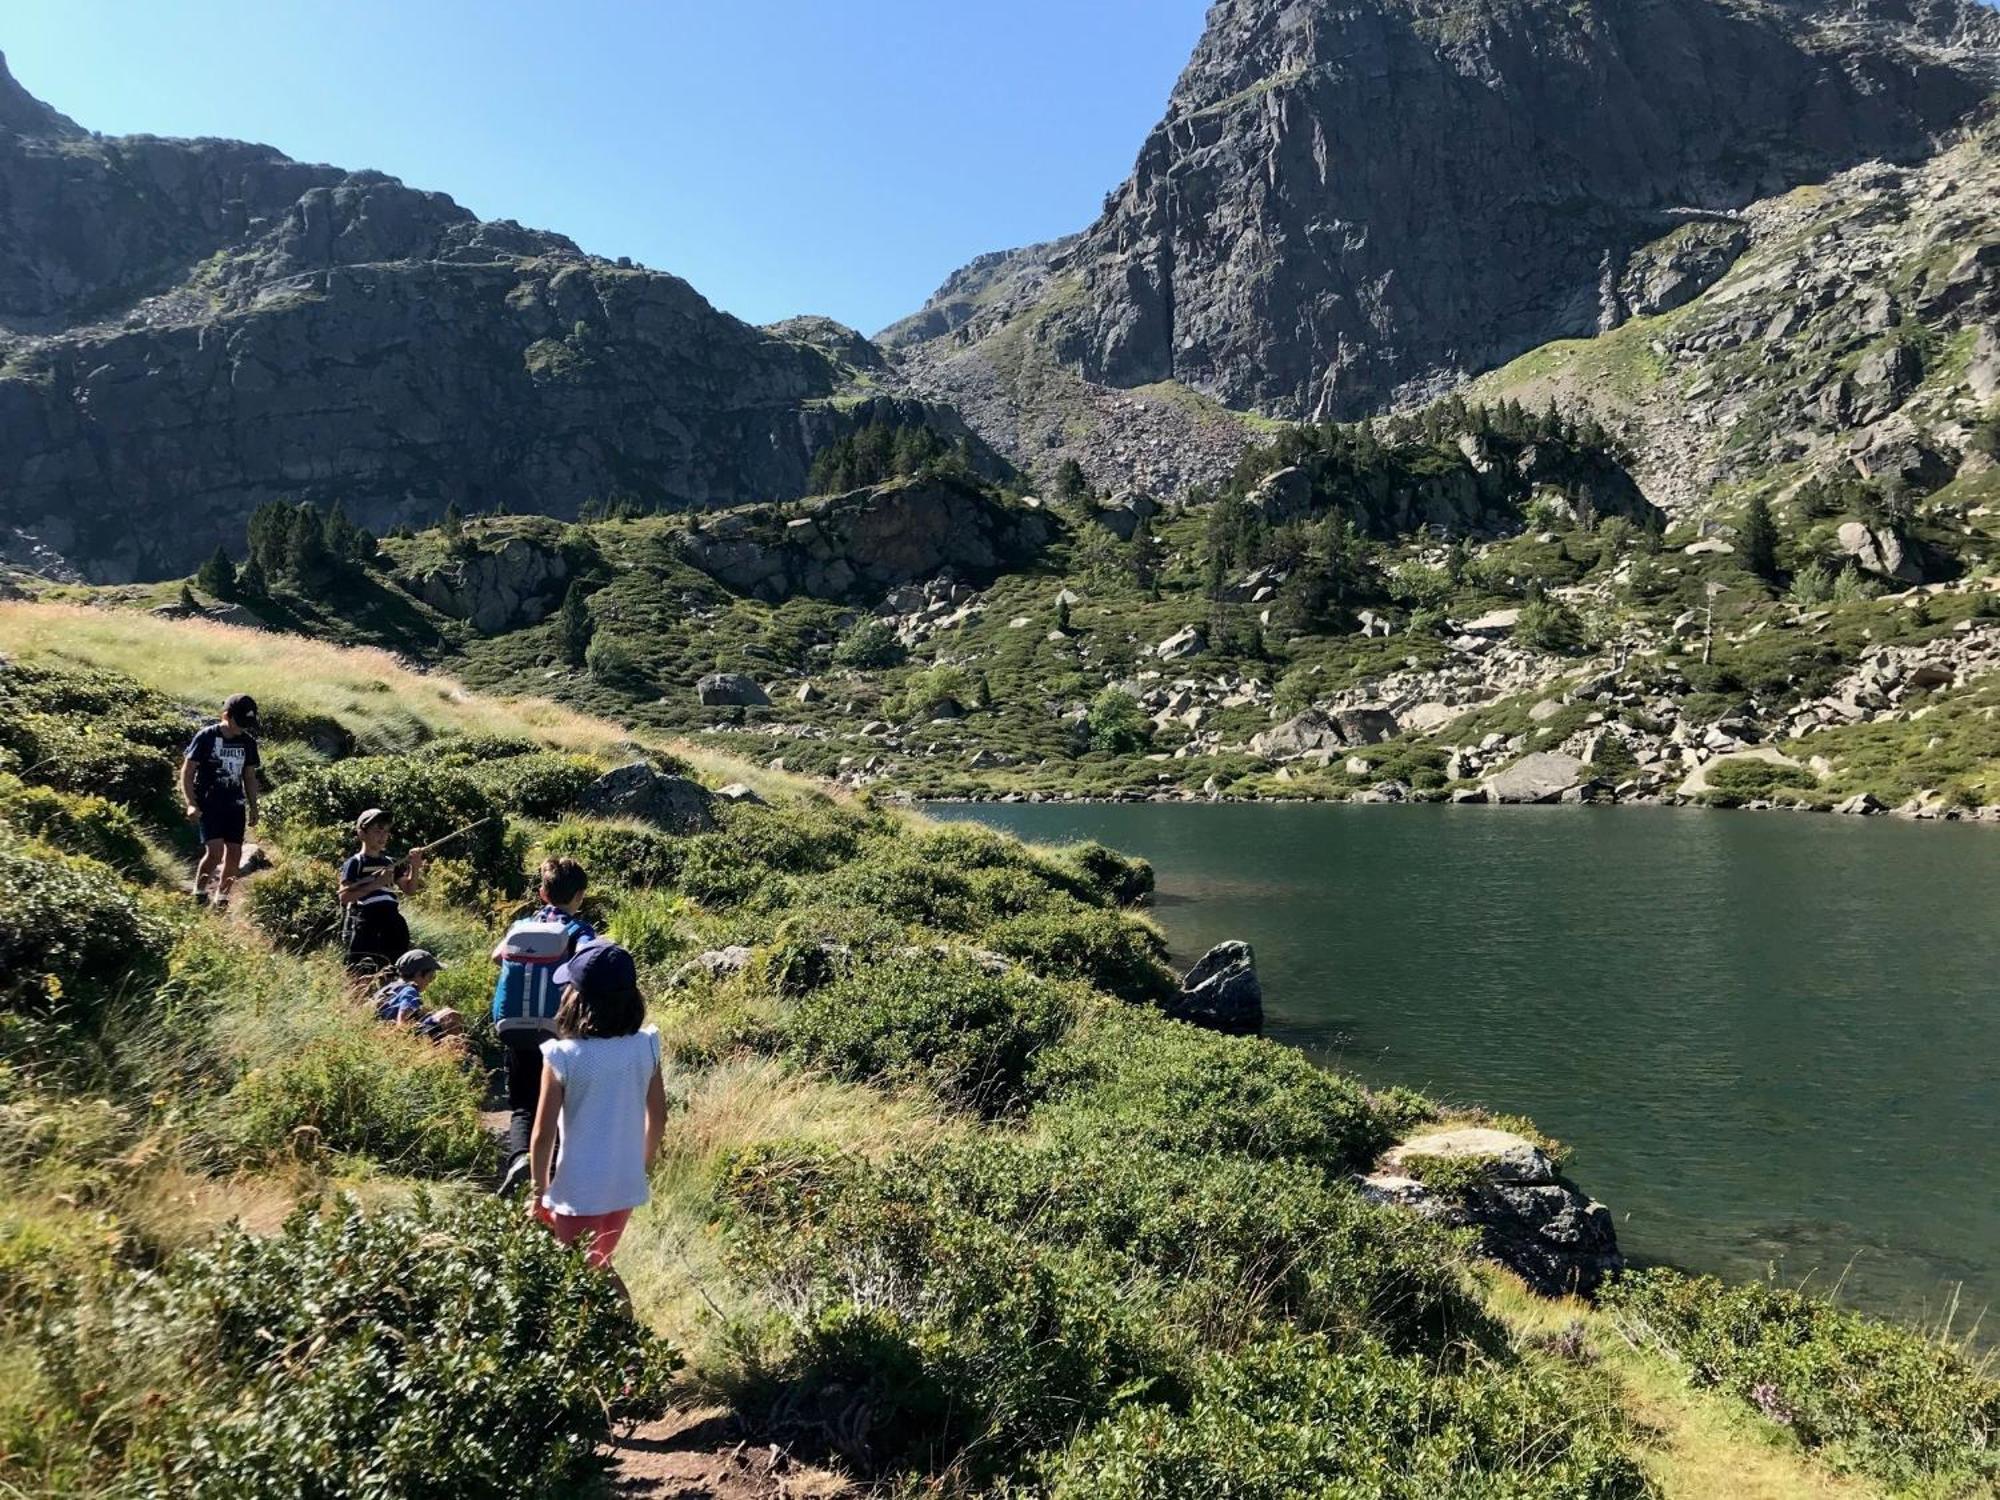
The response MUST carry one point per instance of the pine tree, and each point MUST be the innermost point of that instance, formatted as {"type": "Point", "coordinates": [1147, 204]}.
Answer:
{"type": "Point", "coordinates": [982, 691]}
{"type": "Point", "coordinates": [342, 539]}
{"type": "Point", "coordinates": [454, 521]}
{"type": "Point", "coordinates": [270, 534]}
{"type": "Point", "coordinates": [251, 582]}
{"type": "Point", "coordinates": [1759, 539]}
{"type": "Point", "coordinates": [188, 601]}
{"type": "Point", "coordinates": [1071, 485]}
{"type": "Point", "coordinates": [1062, 615]}
{"type": "Point", "coordinates": [574, 626]}
{"type": "Point", "coordinates": [308, 562]}
{"type": "Point", "coordinates": [218, 575]}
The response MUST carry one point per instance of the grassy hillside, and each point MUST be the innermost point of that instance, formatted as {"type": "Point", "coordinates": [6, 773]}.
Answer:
{"type": "Point", "coordinates": [944, 1200]}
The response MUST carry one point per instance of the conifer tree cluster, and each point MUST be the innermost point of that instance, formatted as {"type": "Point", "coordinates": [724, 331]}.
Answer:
{"type": "Point", "coordinates": [883, 451]}
{"type": "Point", "coordinates": [301, 545]}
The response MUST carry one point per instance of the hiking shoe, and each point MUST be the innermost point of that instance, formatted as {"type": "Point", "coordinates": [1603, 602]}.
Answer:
{"type": "Point", "coordinates": [200, 897]}
{"type": "Point", "coordinates": [514, 1174]}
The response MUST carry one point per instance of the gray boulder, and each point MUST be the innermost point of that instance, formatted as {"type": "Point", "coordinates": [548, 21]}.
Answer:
{"type": "Point", "coordinates": [730, 690]}
{"type": "Point", "coordinates": [1537, 1223]}
{"type": "Point", "coordinates": [1541, 777]}
{"type": "Point", "coordinates": [1880, 552]}
{"type": "Point", "coordinates": [1222, 991]}
{"type": "Point", "coordinates": [1182, 644]}
{"type": "Point", "coordinates": [1368, 724]}
{"type": "Point", "coordinates": [716, 963]}
{"type": "Point", "coordinates": [740, 793]}
{"type": "Point", "coordinates": [638, 791]}
{"type": "Point", "coordinates": [517, 584]}
{"type": "Point", "coordinates": [1284, 496]}
{"type": "Point", "coordinates": [1314, 732]}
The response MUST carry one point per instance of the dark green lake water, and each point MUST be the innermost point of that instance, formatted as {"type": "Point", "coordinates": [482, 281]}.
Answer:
{"type": "Point", "coordinates": [1773, 1040]}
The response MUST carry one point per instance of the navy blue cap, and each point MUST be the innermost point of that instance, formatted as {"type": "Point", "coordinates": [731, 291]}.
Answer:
{"type": "Point", "coordinates": [599, 968]}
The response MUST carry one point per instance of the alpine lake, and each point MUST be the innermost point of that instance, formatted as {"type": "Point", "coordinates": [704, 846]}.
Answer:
{"type": "Point", "coordinates": [1773, 1040]}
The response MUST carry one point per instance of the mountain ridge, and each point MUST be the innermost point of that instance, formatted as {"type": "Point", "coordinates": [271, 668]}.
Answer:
{"type": "Point", "coordinates": [191, 327]}
{"type": "Point", "coordinates": [1345, 209]}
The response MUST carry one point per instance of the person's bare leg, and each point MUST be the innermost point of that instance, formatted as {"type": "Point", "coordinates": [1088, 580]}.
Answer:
{"type": "Point", "coordinates": [211, 864]}
{"type": "Point", "coordinates": [232, 857]}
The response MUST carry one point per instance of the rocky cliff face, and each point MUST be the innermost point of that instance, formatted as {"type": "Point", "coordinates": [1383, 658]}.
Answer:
{"type": "Point", "coordinates": [1347, 204]}
{"type": "Point", "coordinates": [188, 328]}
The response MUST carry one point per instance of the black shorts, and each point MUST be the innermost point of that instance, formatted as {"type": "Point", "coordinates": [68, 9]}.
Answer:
{"type": "Point", "coordinates": [376, 935]}
{"type": "Point", "coordinates": [223, 822]}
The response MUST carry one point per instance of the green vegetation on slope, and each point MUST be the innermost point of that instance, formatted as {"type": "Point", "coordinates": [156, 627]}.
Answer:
{"type": "Point", "coordinates": [988, 1222]}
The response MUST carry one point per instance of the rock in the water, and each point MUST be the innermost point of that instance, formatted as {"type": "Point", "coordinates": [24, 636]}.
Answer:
{"type": "Point", "coordinates": [1541, 777]}
{"type": "Point", "coordinates": [638, 791]}
{"type": "Point", "coordinates": [730, 690]}
{"type": "Point", "coordinates": [1222, 991]}
{"type": "Point", "coordinates": [1538, 1224]}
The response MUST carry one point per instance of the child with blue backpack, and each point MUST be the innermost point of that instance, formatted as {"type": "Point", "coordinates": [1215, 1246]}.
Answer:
{"type": "Point", "coordinates": [526, 997]}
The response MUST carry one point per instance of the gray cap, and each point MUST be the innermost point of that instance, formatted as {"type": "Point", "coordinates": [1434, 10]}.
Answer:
{"type": "Point", "coordinates": [417, 961]}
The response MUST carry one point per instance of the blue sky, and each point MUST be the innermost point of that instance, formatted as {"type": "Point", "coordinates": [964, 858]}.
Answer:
{"type": "Point", "coordinates": [832, 156]}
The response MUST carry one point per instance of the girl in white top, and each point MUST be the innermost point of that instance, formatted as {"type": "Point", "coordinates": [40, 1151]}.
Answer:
{"type": "Point", "coordinates": [603, 1098]}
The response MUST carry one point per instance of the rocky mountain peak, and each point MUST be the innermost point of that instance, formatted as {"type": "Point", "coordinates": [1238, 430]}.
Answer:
{"type": "Point", "coordinates": [21, 113]}
{"type": "Point", "coordinates": [1350, 204]}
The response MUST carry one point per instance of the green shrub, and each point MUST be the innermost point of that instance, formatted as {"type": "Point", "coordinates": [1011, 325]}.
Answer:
{"type": "Point", "coordinates": [1882, 1399]}
{"type": "Point", "coordinates": [541, 785]}
{"type": "Point", "coordinates": [297, 905]}
{"type": "Point", "coordinates": [963, 1342]}
{"type": "Point", "coordinates": [365, 1090]}
{"type": "Point", "coordinates": [426, 801]}
{"type": "Point", "coordinates": [75, 823]}
{"type": "Point", "coordinates": [869, 646]}
{"type": "Point", "coordinates": [440, 1350]}
{"type": "Point", "coordinates": [905, 886]}
{"type": "Point", "coordinates": [941, 1017]}
{"type": "Point", "coordinates": [1136, 1074]}
{"type": "Point", "coordinates": [1733, 782]}
{"type": "Point", "coordinates": [813, 947]}
{"type": "Point", "coordinates": [1117, 724]}
{"type": "Point", "coordinates": [1102, 949]}
{"type": "Point", "coordinates": [620, 856]}
{"type": "Point", "coordinates": [91, 731]}
{"type": "Point", "coordinates": [1550, 625]}
{"type": "Point", "coordinates": [1120, 879]}
{"type": "Point", "coordinates": [1297, 1417]}
{"type": "Point", "coordinates": [991, 1295]}
{"type": "Point", "coordinates": [73, 937]}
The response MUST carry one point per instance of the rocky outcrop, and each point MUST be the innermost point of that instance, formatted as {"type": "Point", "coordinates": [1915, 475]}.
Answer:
{"type": "Point", "coordinates": [863, 544]}
{"type": "Point", "coordinates": [1541, 777]}
{"type": "Point", "coordinates": [639, 791]}
{"type": "Point", "coordinates": [189, 328]}
{"type": "Point", "coordinates": [1349, 202]}
{"type": "Point", "coordinates": [1532, 1220]}
{"type": "Point", "coordinates": [1222, 991]}
{"type": "Point", "coordinates": [730, 690]}
{"type": "Point", "coordinates": [516, 584]}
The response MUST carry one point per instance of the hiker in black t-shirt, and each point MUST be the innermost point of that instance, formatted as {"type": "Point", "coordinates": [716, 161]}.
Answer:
{"type": "Point", "coordinates": [374, 933]}
{"type": "Point", "coordinates": [219, 785]}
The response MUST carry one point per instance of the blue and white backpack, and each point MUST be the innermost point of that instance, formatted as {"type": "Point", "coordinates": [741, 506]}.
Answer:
{"type": "Point", "coordinates": [526, 994]}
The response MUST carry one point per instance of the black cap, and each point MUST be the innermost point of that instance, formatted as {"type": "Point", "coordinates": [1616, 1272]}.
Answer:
{"type": "Point", "coordinates": [600, 968]}
{"type": "Point", "coordinates": [241, 710]}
